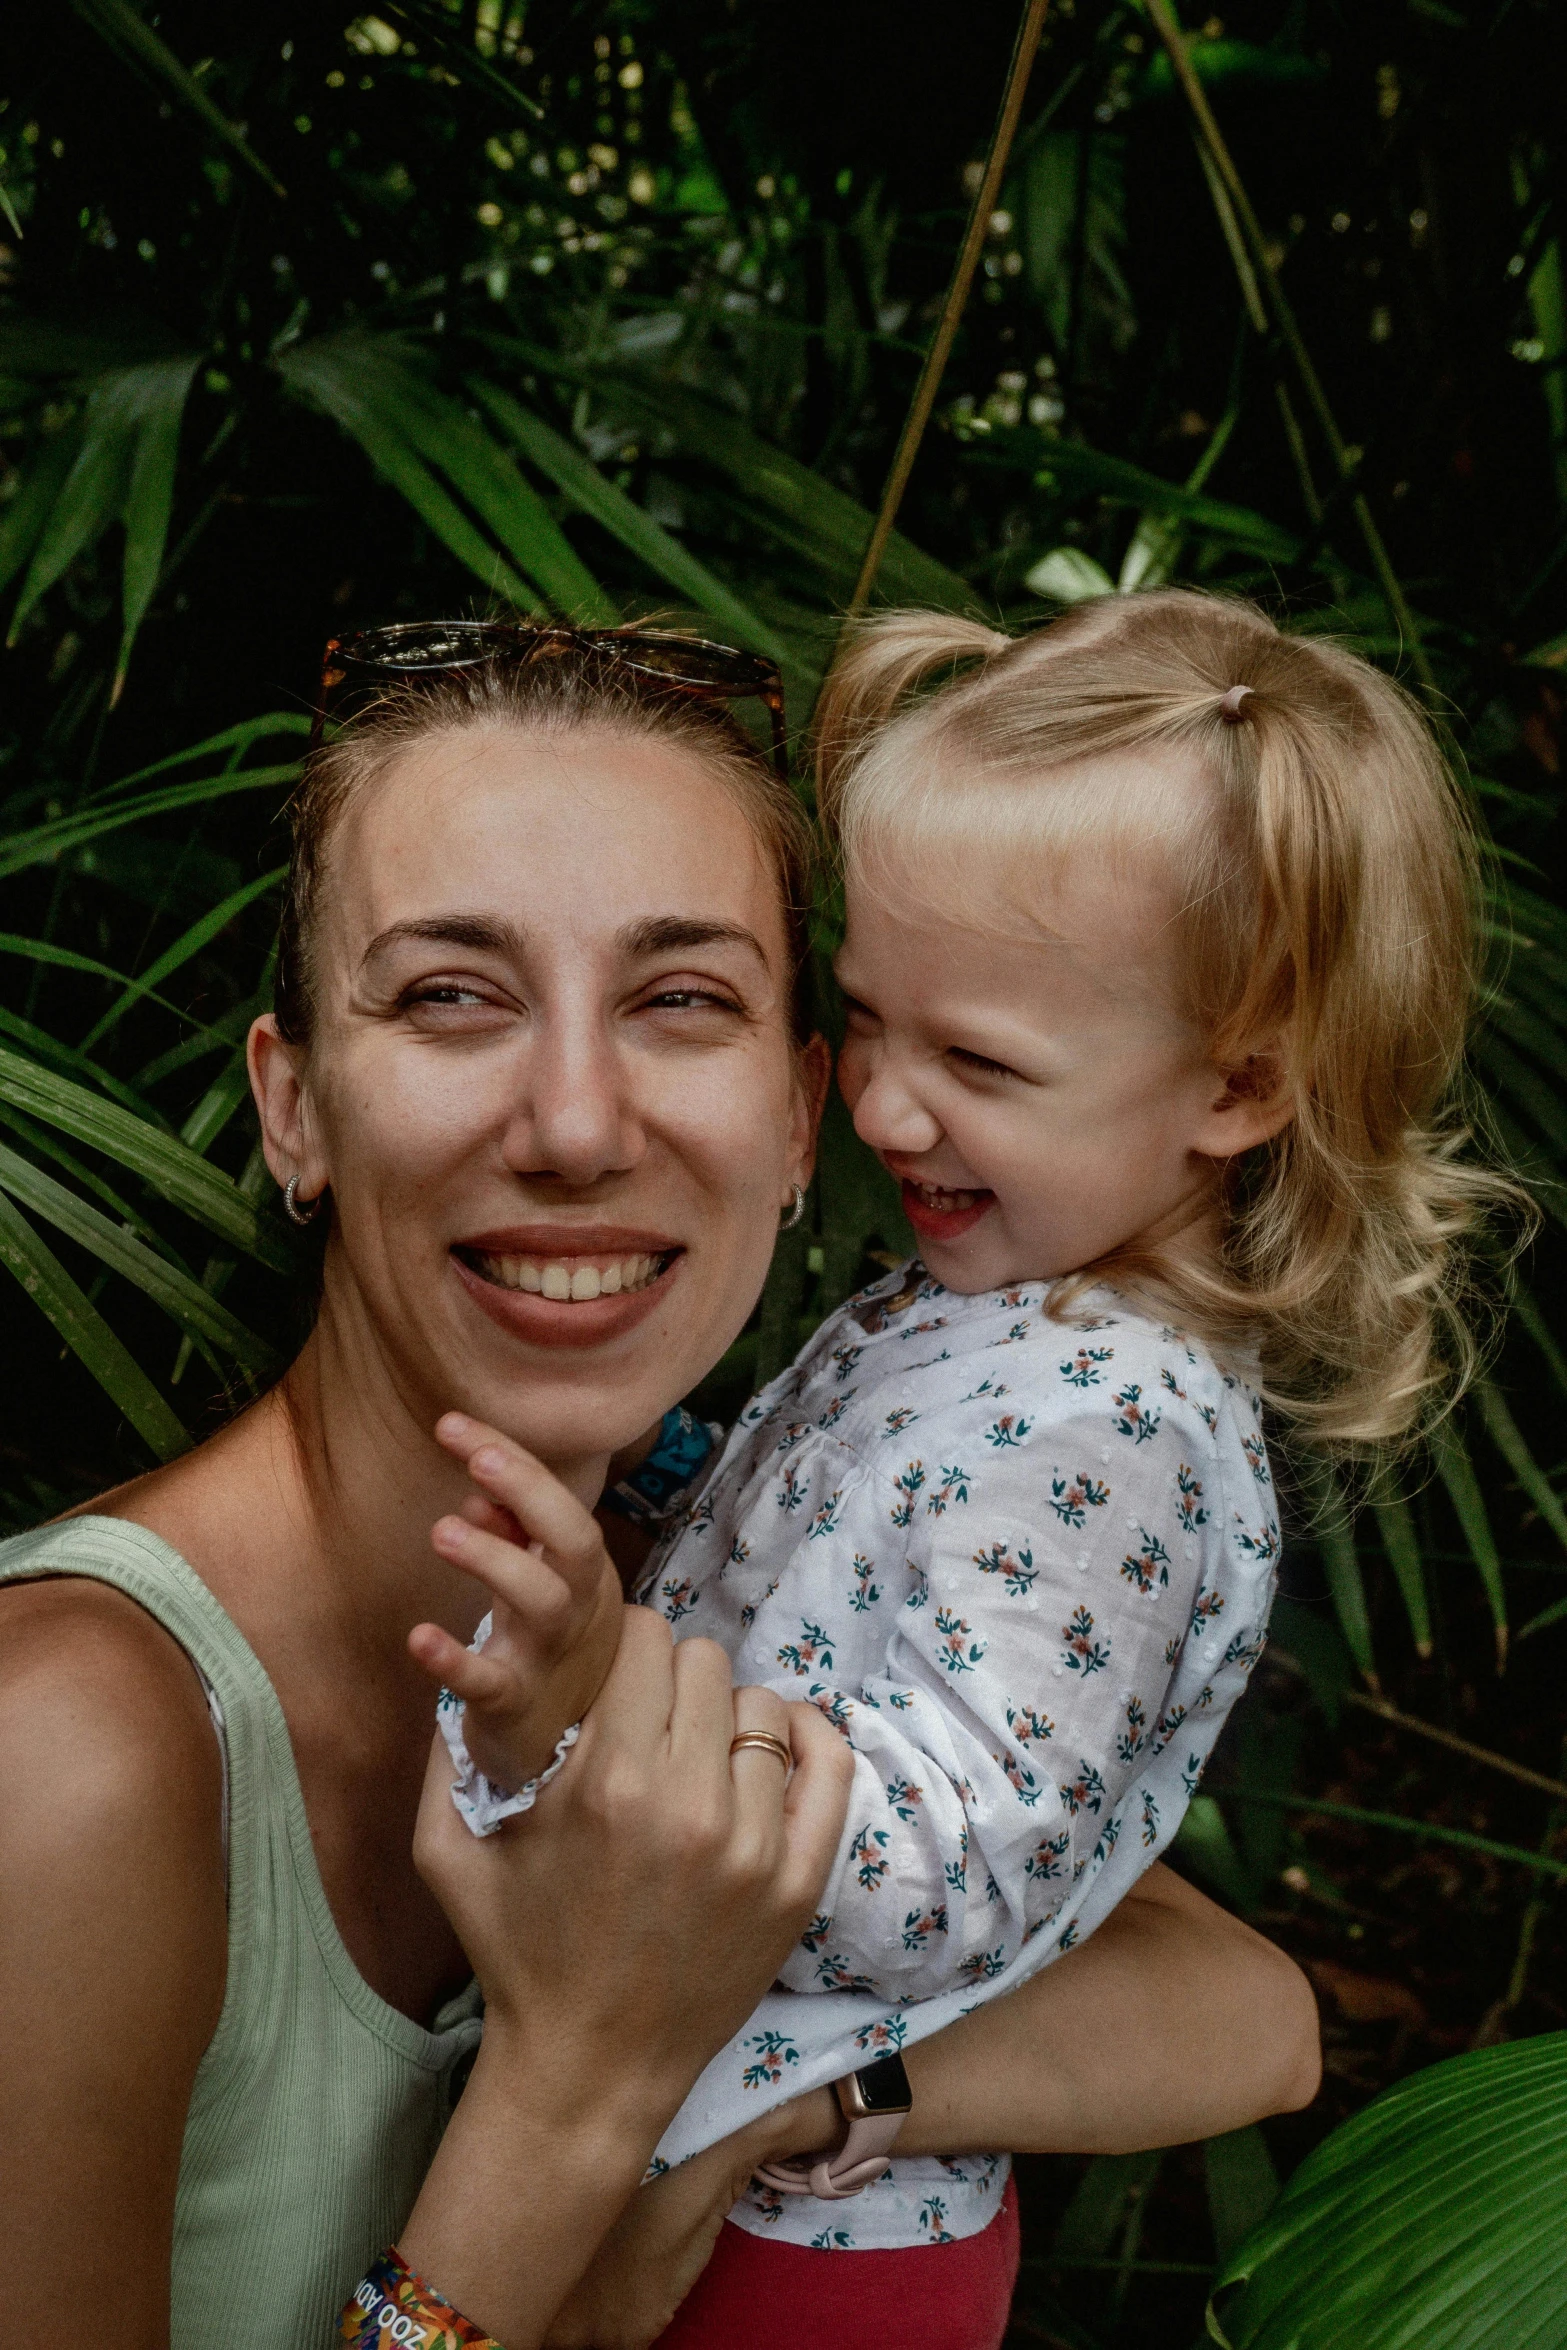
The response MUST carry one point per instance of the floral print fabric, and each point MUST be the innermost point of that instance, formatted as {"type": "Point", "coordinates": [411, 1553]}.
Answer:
{"type": "Point", "coordinates": [1024, 1565]}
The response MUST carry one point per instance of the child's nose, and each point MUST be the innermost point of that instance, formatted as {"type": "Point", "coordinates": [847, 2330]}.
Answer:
{"type": "Point", "coordinates": [890, 1116]}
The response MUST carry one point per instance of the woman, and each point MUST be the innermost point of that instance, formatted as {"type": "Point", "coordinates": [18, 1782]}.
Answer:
{"type": "Point", "coordinates": [536, 999]}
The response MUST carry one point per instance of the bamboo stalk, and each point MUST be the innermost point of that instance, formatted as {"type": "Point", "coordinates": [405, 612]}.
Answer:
{"type": "Point", "coordinates": [1311, 383]}
{"type": "Point", "coordinates": [1386, 1711]}
{"type": "Point", "coordinates": [940, 351]}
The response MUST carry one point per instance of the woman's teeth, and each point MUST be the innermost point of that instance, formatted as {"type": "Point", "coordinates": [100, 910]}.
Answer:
{"type": "Point", "coordinates": [945, 1203]}
{"type": "Point", "coordinates": [551, 1277]}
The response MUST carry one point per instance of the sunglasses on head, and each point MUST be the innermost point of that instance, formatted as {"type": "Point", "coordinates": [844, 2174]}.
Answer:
{"type": "Point", "coordinates": [662, 657]}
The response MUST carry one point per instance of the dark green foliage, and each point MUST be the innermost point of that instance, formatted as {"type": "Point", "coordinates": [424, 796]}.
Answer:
{"type": "Point", "coordinates": [617, 308]}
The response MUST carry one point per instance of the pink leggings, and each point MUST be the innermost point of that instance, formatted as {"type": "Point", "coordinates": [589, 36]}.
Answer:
{"type": "Point", "coordinates": [755, 2294]}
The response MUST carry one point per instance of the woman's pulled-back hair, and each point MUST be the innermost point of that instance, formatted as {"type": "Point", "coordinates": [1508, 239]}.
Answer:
{"type": "Point", "coordinates": [1327, 877]}
{"type": "Point", "coordinates": [570, 688]}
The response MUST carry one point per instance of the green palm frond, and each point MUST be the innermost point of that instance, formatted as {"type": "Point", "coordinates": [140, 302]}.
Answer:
{"type": "Point", "coordinates": [1437, 2218]}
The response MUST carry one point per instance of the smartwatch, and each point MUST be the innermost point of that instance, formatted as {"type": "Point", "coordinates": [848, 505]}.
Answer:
{"type": "Point", "coordinates": [874, 2102]}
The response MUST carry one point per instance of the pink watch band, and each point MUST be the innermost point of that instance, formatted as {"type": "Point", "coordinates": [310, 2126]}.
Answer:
{"type": "Point", "coordinates": [864, 2155]}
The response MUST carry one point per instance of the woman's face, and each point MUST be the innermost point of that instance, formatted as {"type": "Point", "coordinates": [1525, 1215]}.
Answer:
{"type": "Point", "coordinates": [551, 1086]}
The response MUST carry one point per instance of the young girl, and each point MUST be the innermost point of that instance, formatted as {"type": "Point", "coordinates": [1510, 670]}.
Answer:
{"type": "Point", "coordinates": [1158, 959]}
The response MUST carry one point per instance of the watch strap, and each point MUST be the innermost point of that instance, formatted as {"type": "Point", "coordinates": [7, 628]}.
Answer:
{"type": "Point", "coordinates": [863, 2157]}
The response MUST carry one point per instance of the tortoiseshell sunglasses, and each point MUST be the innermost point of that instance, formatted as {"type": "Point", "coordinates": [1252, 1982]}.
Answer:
{"type": "Point", "coordinates": [423, 648]}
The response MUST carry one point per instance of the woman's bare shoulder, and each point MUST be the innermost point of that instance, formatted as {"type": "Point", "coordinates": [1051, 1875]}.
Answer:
{"type": "Point", "coordinates": [103, 1724]}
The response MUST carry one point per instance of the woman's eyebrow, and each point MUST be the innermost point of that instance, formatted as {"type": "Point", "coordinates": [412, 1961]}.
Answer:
{"type": "Point", "coordinates": [662, 934]}
{"type": "Point", "coordinates": [485, 933]}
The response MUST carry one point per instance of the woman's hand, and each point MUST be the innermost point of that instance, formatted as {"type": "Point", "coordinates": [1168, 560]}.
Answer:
{"type": "Point", "coordinates": [621, 1932]}
{"type": "Point", "coordinates": [556, 1605]}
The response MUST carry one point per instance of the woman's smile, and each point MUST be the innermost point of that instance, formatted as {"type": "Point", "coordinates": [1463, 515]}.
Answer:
{"type": "Point", "coordinates": [566, 1284]}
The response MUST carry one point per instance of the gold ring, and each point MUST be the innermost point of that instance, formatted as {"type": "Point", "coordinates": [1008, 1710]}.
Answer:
{"type": "Point", "coordinates": [765, 1743]}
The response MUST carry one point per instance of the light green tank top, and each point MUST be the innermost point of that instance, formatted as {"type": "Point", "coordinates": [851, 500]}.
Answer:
{"type": "Point", "coordinates": [317, 2108]}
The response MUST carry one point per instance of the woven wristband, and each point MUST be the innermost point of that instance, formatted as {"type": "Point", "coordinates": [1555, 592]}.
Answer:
{"type": "Point", "coordinates": [394, 2307]}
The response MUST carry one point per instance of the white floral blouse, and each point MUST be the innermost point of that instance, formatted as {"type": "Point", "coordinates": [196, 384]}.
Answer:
{"type": "Point", "coordinates": [1025, 1566]}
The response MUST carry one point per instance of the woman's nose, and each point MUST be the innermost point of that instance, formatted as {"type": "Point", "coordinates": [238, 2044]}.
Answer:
{"type": "Point", "coordinates": [577, 1120]}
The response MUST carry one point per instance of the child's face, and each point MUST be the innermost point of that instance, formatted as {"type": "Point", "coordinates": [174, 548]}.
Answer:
{"type": "Point", "coordinates": [1040, 1095]}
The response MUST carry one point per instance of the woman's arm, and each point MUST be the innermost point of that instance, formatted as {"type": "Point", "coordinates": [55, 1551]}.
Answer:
{"type": "Point", "coordinates": [1212, 2028]}
{"type": "Point", "coordinates": [1174, 2021]}
{"type": "Point", "coordinates": [621, 1933]}
{"type": "Point", "coordinates": [113, 1949]}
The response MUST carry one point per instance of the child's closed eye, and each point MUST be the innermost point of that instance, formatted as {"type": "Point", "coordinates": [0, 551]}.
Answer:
{"type": "Point", "coordinates": [980, 1063]}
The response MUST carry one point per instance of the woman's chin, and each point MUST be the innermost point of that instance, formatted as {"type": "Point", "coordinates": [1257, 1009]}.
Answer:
{"type": "Point", "coordinates": [566, 1323]}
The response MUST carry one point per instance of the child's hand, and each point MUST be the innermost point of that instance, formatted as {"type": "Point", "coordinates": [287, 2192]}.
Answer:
{"type": "Point", "coordinates": [557, 1606]}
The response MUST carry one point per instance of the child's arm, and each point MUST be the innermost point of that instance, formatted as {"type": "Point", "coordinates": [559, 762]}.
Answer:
{"type": "Point", "coordinates": [557, 1606]}
{"type": "Point", "coordinates": [1049, 1693]}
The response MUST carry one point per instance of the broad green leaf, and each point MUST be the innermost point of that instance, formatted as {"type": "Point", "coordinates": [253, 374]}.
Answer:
{"type": "Point", "coordinates": [180, 1297]}
{"type": "Point", "coordinates": [44, 950]}
{"type": "Point", "coordinates": [46, 1145]}
{"type": "Point", "coordinates": [1312, 1641]}
{"type": "Point", "coordinates": [190, 942]}
{"type": "Point", "coordinates": [1511, 1443]}
{"type": "Point", "coordinates": [1396, 1525]}
{"type": "Point", "coordinates": [1434, 2220]}
{"type": "Point", "coordinates": [134, 41]}
{"type": "Point", "coordinates": [44, 477]}
{"type": "Point", "coordinates": [1204, 1845]}
{"type": "Point", "coordinates": [176, 1172]}
{"type": "Point", "coordinates": [92, 495]}
{"type": "Point", "coordinates": [87, 1334]}
{"type": "Point", "coordinates": [665, 557]}
{"type": "Point", "coordinates": [1457, 1473]}
{"type": "Point", "coordinates": [1523, 1085]}
{"type": "Point", "coordinates": [1334, 1529]}
{"type": "Point", "coordinates": [234, 740]}
{"type": "Point", "coordinates": [1525, 1306]}
{"type": "Point", "coordinates": [149, 500]}
{"type": "Point", "coordinates": [1079, 471]}
{"type": "Point", "coordinates": [65, 1057]}
{"type": "Point", "coordinates": [825, 523]}
{"type": "Point", "coordinates": [1243, 2186]}
{"type": "Point", "coordinates": [1067, 575]}
{"type": "Point", "coordinates": [217, 1105]}
{"type": "Point", "coordinates": [44, 842]}
{"type": "Point", "coordinates": [371, 386]}
{"type": "Point", "coordinates": [1098, 2210]}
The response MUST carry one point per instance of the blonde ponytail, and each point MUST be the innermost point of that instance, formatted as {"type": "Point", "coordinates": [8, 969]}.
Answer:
{"type": "Point", "coordinates": [887, 658]}
{"type": "Point", "coordinates": [1327, 873]}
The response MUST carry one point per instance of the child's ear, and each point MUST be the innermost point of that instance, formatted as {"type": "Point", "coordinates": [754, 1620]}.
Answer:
{"type": "Point", "coordinates": [1252, 1102]}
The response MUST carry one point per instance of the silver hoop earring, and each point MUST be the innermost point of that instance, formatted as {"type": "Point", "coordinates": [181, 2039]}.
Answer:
{"type": "Point", "coordinates": [291, 1207]}
{"type": "Point", "coordinates": [788, 1223]}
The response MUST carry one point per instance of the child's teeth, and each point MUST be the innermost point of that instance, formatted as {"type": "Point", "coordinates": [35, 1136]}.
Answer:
{"type": "Point", "coordinates": [557, 1281]}
{"type": "Point", "coordinates": [609, 1281]}
{"type": "Point", "coordinates": [585, 1281]}
{"type": "Point", "coordinates": [528, 1275]}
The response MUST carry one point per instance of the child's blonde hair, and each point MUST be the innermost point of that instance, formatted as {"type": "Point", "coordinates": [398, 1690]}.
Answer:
{"type": "Point", "coordinates": [1327, 873]}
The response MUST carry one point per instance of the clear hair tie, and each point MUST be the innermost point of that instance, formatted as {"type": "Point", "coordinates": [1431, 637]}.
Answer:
{"type": "Point", "coordinates": [1230, 706]}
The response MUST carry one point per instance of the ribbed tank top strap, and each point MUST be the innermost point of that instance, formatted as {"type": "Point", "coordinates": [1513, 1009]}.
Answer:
{"type": "Point", "coordinates": [316, 2107]}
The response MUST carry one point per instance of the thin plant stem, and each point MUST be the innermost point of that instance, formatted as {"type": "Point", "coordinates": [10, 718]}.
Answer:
{"type": "Point", "coordinates": [1256, 311]}
{"type": "Point", "coordinates": [1425, 1830]}
{"type": "Point", "coordinates": [1534, 1910]}
{"type": "Point", "coordinates": [1388, 1712]}
{"type": "Point", "coordinates": [940, 351]}
{"type": "Point", "coordinates": [1345, 463]}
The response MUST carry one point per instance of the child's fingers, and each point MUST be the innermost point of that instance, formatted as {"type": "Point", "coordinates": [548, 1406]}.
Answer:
{"type": "Point", "coordinates": [472, 1678]}
{"type": "Point", "coordinates": [513, 1480]}
{"type": "Point", "coordinates": [544, 1604]}
{"type": "Point", "coordinates": [480, 1511]}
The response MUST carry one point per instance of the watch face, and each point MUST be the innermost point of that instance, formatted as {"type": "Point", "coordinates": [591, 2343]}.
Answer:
{"type": "Point", "coordinates": [884, 2087]}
